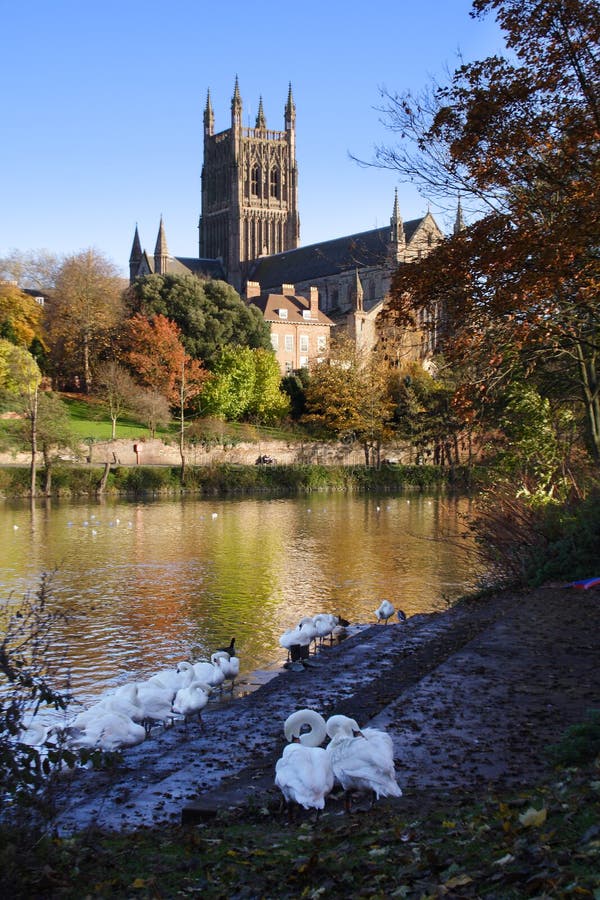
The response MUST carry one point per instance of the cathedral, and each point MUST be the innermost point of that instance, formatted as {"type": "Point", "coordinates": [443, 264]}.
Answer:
{"type": "Point", "coordinates": [249, 230]}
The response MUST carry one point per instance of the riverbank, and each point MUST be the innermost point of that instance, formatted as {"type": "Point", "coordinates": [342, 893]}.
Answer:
{"type": "Point", "coordinates": [471, 698]}
{"type": "Point", "coordinates": [227, 479]}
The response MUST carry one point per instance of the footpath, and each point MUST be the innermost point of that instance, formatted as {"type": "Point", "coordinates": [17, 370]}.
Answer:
{"type": "Point", "coordinates": [471, 698]}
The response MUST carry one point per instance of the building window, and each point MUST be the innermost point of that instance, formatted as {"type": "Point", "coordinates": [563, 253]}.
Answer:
{"type": "Point", "coordinates": [283, 313]}
{"type": "Point", "coordinates": [304, 362]}
{"type": "Point", "coordinates": [321, 343]}
{"type": "Point", "coordinates": [306, 314]}
{"type": "Point", "coordinates": [288, 368]}
{"type": "Point", "coordinates": [274, 183]}
{"type": "Point", "coordinates": [289, 343]}
{"type": "Point", "coordinates": [303, 343]}
{"type": "Point", "coordinates": [254, 181]}
{"type": "Point", "coordinates": [275, 341]}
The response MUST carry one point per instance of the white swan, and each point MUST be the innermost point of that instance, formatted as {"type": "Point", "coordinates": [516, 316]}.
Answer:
{"type": "Point", "coordinates": [230, 665]}
{"type": "Point", "coordinates": [303, 773]}
{"type": "Point", "coordinates": [309, 628]}
{"type": "Point", "coordinates": [325, 623]}
{"type": "Point", "coordinates": [155, 702]}
{"type": "Point", "coordinates": [210, 673]}
{"type": "Point", "coordinates": [173, 679]}
{"type": "Point", "coordinates": [385, 611]}
{"type": "Point", "coordinates": [107, 731]}
{"type": "Point", "coordinates": [190, 701]}
{"type": "Point", "coordinates": [297, 642]}
{"type": "Point", "coordinates": [362, 761]}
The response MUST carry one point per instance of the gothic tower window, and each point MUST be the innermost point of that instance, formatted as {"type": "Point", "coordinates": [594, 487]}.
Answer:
{"type": "Point", "coordinates": [255, 181]}
{"type": "Point", "coordinates": [274, 184]}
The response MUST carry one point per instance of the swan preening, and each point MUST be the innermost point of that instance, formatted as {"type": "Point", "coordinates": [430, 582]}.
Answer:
{"type": "Point", "coordinates": [384, 611]}
{"type": "Point", "coordinates": [303, 773]}
{"type": "Point", "coordinates": [359, 760]}
{"type": "Point", "coordinates": [362, 759]}
{"type": "Point", "coordinates": [309, 631]}
{"type": "Point", "coordinates": [125, 717]}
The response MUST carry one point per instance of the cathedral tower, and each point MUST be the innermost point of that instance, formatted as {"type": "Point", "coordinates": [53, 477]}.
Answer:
{"type": "Point", "coordinates": [249, 189]}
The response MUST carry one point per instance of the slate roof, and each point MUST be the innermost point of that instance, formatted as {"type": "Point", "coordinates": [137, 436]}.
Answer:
{"type": "Point", "coordinates": [211, 268]}
{"type": "Point", "coordinates": [269, 304]}
{"type": "Point", "coordinates": [367, 248]}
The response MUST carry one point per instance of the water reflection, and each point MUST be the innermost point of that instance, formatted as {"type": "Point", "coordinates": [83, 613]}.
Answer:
{"type": "Point", "coordinates": [151, 583]}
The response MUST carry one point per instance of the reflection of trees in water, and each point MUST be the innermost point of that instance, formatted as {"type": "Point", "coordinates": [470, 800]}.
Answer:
{"type": "Point", "coordinates": [173, 579]}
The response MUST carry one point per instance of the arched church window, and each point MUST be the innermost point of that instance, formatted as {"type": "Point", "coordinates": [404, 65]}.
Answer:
{"type": "Point", "coordinates": [274, 183]}
{"type": "Point", "coordinates": [255, 181]}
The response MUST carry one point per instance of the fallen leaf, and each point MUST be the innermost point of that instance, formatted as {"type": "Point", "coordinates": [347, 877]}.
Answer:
{"type": "Point", "coordinates": [458, 881]}
{"type": "Point", "coordinates": [533, 817]}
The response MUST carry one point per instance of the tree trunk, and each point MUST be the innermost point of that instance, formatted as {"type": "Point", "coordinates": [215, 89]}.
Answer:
{"type": "Point", "coordinates": [102, 483]}
{"type": "Point", "coordinates": [87, 377]}
{"type": "Point", "coordinates": [47, 474]}
{"type": "Point", "coordinates": [181, 425]}
{"type": "Point", "coordinates": [33, 414]}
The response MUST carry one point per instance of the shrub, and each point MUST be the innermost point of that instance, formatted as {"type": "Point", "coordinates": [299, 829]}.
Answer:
{"type": "Point", "coordinates": [26, 686]}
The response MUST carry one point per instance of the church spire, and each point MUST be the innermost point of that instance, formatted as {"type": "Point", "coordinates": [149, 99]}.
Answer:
{"type": "Point", "coordinates": [236, 104]}
{"type": "Point", "coordinates": [261, 122]}
{"type": "Point", "coordinates": [161, 251]}
{"type": "Point", "coordinates": [459, 222]}
{"type": "Point", "coordinates": [357, 293]}
{"type": "Point", "coordinates": [135, 257]}
{"type": "Point", "coordinates": [397, 236]}
{"type": "Point", "coordinates": [290, 110]}
{"type": "Point", "coordinates": [209, 116]}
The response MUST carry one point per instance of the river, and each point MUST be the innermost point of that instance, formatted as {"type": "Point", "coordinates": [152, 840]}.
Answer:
{"type": "Point", "coordinates": [147, 584]}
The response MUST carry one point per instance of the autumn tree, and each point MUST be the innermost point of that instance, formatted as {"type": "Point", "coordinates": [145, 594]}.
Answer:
{"type": "Point", "coordinates": [114, 385]}
{"type": "Point", "coordinates": [518, 137]}
{"type": "Point", "coordinates": [348, 396]}
{"type": "Point", "coordinates": [209, 313]}
{"type": "Point", "coordinates": [153, 408]}
{"type": "Point", "coordinates": [36, 269]}
{"type": "Point", "coordinates": [20, 316]}
{"type": "Point", "coordinates": [156, 356]}
{"type": "Point", "coordinates": [54, 434]}
{"type": "Point", "coordinates": [86, 307]}
{"type": "Point", "coordinates": [20, 379]}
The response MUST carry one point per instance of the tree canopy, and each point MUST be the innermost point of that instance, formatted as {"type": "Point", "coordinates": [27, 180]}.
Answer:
{"type": "Point", "coordinates": [85, 309]}
{"type": "Point", "coordinates": [209, 313]}
{"type": "Point", "coordinates": [245, 384]}
{"type": "Point", "coordinates": [519, 137]}
{"type": "Point", "coordinates": [157, 357]}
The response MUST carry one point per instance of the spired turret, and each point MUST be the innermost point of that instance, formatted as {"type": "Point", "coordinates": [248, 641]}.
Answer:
{"type": "Point", "coordinates": [135, 257]}
{"type": "Point", "coordinates": [161, 251]}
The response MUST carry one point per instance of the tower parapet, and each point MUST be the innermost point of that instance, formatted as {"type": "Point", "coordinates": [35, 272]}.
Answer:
{"type": "Point", "coordinates": [249, 189]}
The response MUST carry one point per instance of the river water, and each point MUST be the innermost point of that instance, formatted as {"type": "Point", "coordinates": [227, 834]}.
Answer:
{"type": "Point", "coordinates": [147, 584]}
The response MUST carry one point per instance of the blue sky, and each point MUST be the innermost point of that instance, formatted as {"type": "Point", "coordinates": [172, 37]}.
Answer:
{"type": "Point", "coordinates": [102, 108]}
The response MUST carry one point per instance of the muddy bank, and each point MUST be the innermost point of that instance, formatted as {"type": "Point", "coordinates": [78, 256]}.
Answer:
{"type": "Point", "coordinates": [471, 697]}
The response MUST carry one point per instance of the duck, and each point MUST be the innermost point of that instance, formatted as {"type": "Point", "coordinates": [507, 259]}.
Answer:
{"type": "Point", "coordinates": [229, 649]}
{"type": "Point", "coordinates": [362, 760]}
{"type": "Point", "coordinates": [402, 617]}
{"type": "Point", "coordinates": [230, 665]}
{"type": "Point", "coordinates": [303, 773]}
{"type": "Point", "coordinates": [190, 701]}
{"type": "Point", "coordinates": [385, 611]}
